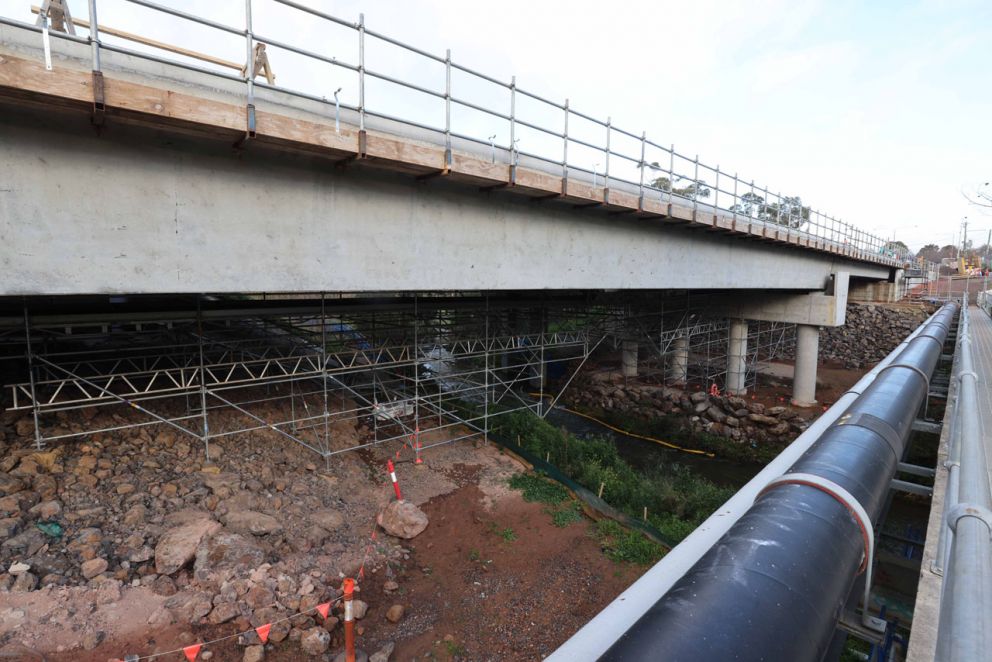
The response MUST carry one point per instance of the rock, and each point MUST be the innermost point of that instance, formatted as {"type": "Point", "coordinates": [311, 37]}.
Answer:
{"type": "Point", "coordinates": [389, 586]}
{"type": "Point", "coordinates": [384, 653]}
{"type": "Point", "coordinates": [135, 515]}
{"type": "Point", "coordinates": [395, 613]}
{"type": "Point", "coordinates": [25, 543]}
{"type": "Point", "coordinates": [224, 612]}
{"type": "Point", "coordinates": [93, 567]}
{"type": "Point", "coordinates": [254, 654]}
{"type": "Point", "coordinates": [24, 427]}
{"type": "Point", "coordinates": [189, 607]}
{"type": "Point", "coordinates": [177, 546]}
{"type": "Point", "coordinates": [9, 526]}
{"type": "Point", "coordinates": [222, 484]}
{"type": "Point", "coordinates": [18, 568]}
{"type": "Point", "coordinates": [329, 520]}
{"type": "Point", "coordinates": [253, 522]}
{"type": "Point", "coordinates": [226, 555]}
{"type": "Point", "coordinates": [92, 639]}
{"type": "Point", "coordinates": [762, 419]}
{"type": "Point", "coordinates": [716, 414]}
{"type": "Point", "coordinates": [403, 520]}
{"type": "Point", "coordinates": [698, 397]}
{"type": "Point", "coordinates": [315, 641]}
{"type": "Point", "coordinates": [46, 509]}
{"type": "Point", "coordinates": [164, 585]}
{"type": "Point", "coordinates": [359, 608]}
{"type": "Point", "coordinates": [280, 627]}
{"type": "Point", "coordinates": [125, 488]}
{"type": "Point", "coordinates": [10, 484]}
{"type": "Point", "coordinates": [24, 582]}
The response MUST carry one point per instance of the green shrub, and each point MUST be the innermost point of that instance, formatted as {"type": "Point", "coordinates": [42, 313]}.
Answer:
{"type": "Point", "coordinates": [536, 488]}
{"type": "Point", "coordinates": [626, 546]}
{"type": "Point", "coordinates": [677, 500]}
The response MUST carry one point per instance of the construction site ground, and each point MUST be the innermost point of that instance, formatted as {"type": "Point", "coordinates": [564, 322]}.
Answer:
{"type": "Point", "coordinates": [491, 578]}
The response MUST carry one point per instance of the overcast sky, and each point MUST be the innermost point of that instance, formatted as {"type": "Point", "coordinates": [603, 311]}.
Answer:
{"type": "Point", "coordinates": [875, 112]}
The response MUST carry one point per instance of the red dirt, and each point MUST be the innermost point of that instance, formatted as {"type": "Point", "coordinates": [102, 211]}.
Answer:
{"type": "Point", "coordinates": [500, 599]}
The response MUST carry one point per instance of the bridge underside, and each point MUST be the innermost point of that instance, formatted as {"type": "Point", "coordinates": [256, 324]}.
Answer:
{"type": "Point", "coordinates": [416, 362]}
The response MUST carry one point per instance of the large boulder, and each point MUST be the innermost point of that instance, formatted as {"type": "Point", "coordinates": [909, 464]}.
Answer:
{"type": "Point", "coordinates": [177, 546]}
{"type": "Point", "coordinates": [403, 520]}
{"type": "Point", "coordinates": [226, 555]}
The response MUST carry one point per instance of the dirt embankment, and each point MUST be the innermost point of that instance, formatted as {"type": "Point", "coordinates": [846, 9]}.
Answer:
{"type": "Point", "coordinates": [146, 547]}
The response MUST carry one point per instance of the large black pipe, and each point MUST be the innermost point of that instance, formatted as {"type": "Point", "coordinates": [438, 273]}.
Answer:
{"type": "Point", "coordinates": [773, 587]}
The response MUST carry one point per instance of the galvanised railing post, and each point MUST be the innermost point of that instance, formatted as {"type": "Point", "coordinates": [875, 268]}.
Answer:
{"type": "Point", "coordinates": [640, 187]}
{"type": "Point", "coordinates": [606, 173]}
{"type": "Point", "coordinates": [671, 177]}
{"type": "Point", "coordinates": [695, 188]}
{"type": "Point", "coordinates": [734, 206]}
{"type": "Point", "coordinates": [361, 72]}
{"type": "Point", "coordinates": [513, 121]}
{"type": "Point", "coordinates": [716, 191]}
{"type": "Point", "coordinates": [250, 70]}
{"type": "Point", "coordinates": [447, 108]}
{"type": "Point", "coordinates": [94, 36]}
{"type": "Point", "coordinates": [564, 154]}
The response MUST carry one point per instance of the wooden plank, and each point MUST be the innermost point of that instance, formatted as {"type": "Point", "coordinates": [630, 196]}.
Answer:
{"type": "Point", "coordinates": [654, 207]}
{"type": "Point", "coordinates": [582, 192]}
{"type": "Point", "coordinates": [413, 156]}
{"type": "Point", "coordinates": [132, 97]}
{"type": "Point", "coordinates": [273, 127]}
{"type": "Point", "coordinates": [18, 76]}
{"type": "Point", "coordinates": [623, 200]}
{"type": "Point", "coordinates": [478, 171]}
{"type": "Point", "coordinates": [681, 212]}
{"type": "Point", "coordinates": [536, 182]}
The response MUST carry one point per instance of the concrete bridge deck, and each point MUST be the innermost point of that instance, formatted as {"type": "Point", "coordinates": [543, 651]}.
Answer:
{"type": "Point", "coordinates": [157, 201]}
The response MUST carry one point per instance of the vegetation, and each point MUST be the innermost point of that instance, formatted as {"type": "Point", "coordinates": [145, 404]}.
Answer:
{"type": "Point", "coordinates": [676, 500]}
{"type": "Point", "coordinates": [672, 429]}
{"type": "Point", "coordinates": [626, 546]}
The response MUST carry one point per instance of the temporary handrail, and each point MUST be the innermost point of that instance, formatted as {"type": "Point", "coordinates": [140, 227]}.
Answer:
{"type": "Point", "coordinates": [964, 631]}
{"type": "Point", "coordinates": [679, 175]}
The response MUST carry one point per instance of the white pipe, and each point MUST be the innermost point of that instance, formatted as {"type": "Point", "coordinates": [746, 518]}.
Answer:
{"type": "Point", "coordinates": [596, 636]}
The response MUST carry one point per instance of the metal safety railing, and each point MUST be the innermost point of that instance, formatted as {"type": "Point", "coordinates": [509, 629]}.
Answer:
{"type": "Point", "coordinates": [964, 551]}
{"type": "Point", "coordinates": [451, 101]}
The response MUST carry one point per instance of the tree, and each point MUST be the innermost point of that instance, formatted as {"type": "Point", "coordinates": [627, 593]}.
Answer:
{"type": "Point", "coordinates": [898, 248]}
{"type": "Point", "coordinates": [788, 211]}
{"type": "Point", "coordinates": [692, 191]}
{"type": "Point", "coordinates": [930, 252]}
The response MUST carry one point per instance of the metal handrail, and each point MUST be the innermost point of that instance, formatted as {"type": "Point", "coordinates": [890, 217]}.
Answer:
{"type": "Point", "coordinates": [737, 197]}
{"type": "Point", "coordinates": [965, 548]}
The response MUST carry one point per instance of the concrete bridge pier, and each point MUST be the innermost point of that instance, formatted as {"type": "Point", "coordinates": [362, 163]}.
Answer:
{"type": "Point", "coordinates": [737, 358]}
{"type": "Point", "coordinates": [678, 367]}
{"type": "Point", "coordinates": [628, 358]}
{"type": "Point", "coordinates": [804, 378]}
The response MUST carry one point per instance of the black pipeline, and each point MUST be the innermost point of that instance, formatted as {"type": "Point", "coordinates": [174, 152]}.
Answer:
{"type": "Point", "coordinates": [773, 587]}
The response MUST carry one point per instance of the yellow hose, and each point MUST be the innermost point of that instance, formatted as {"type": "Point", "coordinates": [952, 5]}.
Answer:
{"type": "Point", "coordinates": [667, 444]}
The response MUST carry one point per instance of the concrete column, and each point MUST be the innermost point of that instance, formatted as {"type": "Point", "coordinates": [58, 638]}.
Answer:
{"type": "Point", "coordinates": [678, 366]}
{"type": "Point", "coordinates": [804, 379]}
{"type": "Point", "coordinates": [628, 360]}
{"type": "Point", "coordinates": [737, 358]}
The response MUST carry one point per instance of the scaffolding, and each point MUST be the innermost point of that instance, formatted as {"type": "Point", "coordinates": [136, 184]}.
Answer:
{"type": "Point", "coordinates": [414, 370]}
